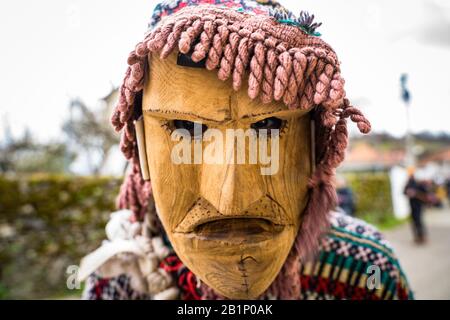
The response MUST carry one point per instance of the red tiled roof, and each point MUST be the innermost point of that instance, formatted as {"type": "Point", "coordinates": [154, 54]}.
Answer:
{"type": "Point", "coordinates": [364, 153]}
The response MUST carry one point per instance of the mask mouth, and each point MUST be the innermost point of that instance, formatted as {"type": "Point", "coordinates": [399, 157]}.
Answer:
{"type": "Point", "coordinates": [265, 215]}
{"type": "Point", "coordinates": [236, 230]}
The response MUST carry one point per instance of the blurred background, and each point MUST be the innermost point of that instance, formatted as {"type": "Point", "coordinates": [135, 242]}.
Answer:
{"type": "Point", "coordinates": [60, 166]}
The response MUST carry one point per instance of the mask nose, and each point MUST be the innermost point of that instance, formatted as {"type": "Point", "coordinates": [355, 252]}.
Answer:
{"type": "Point", "coordinates": [231, 188]}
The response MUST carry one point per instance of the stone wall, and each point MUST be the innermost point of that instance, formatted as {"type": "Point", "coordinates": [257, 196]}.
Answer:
{"type": "Point", "coordinates": [48, 223]}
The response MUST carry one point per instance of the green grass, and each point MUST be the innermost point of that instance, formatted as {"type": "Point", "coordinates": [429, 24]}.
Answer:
{"type": "Point", "coordinates": [3, 292]}
{"type": "Point", "coordinates": [383, 223]}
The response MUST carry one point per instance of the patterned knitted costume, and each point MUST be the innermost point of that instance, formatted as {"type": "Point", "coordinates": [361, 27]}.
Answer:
{"type": "Point", "coordinates": [285, 60]}
{"type": "Point", "coordinates": [347, 256]}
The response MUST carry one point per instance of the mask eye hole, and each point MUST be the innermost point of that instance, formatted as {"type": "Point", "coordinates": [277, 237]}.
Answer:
{"type": "Point", "coordinates": [268, 124]}
{"type": "Point", "coordinates": [185, 60]}
{"type": "Point", "coordinates": [195, 129]}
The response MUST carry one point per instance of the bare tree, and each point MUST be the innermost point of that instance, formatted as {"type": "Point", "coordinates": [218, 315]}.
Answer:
{"type": "Point", "coordinates": [25, 155]}
{"type": "Point", "coordinates": [91, 131]}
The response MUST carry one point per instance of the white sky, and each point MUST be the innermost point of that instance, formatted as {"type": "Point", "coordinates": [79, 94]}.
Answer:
{"type": "Point", "coordinates": [52, 50]}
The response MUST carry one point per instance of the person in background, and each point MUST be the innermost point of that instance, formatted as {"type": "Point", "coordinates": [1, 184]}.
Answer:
{"type": "Point", "coordinates": [346, 200]}
{"type": "Point", "coordinates": [441, 193]}
{"type": "Point", "coordinates": [417, 195]}
{"type": "Point", "coordinates": [447, 188]}
{"type": "Point", "coordinates": [433, 198]}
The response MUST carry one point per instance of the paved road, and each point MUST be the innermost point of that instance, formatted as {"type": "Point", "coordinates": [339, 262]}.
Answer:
{"type": "Point", "coordinates": [428, 266]}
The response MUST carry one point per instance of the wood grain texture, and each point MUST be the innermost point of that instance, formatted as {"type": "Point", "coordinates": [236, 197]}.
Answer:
{"type": "Point", "coordinates": [231, 226]}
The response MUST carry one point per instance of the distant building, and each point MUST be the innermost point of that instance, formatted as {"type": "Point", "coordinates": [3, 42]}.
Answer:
{"type": "Point", "coordinates": [372, 157]}
{"type": "Point", "coordinates": [362, 156]}
{"type": "Point", "coordinates": [110, 101]}
{"type": "Point", "coordinates": [436, 165]}
{"type": "Point", "coordinates": [115, 163]}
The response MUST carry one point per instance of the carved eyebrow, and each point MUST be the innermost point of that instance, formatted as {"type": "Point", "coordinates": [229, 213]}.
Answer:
{"type": "Point", "coordinates": [280, 112]}
{"type": "Point", "coordinates": [186, 114]}
{"type": "Point", "coordinates": [259, 115]}
{"type": "Point", "coordinates": [185, 60]}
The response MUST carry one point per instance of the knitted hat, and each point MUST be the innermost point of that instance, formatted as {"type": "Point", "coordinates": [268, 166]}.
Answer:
{"type": "Point", "coordinates": [284, 59]}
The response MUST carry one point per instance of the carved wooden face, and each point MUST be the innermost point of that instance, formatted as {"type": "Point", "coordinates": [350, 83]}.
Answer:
{"type": "Point", "coordinates": [231, 222]}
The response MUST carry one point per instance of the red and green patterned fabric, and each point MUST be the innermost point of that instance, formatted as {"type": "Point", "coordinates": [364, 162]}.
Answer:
{"type": "Point", "coordinates": [351, 254]}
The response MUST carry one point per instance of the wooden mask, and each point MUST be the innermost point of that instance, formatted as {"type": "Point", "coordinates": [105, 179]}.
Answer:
{"type": "Point", "coordinates": [230, 223]}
